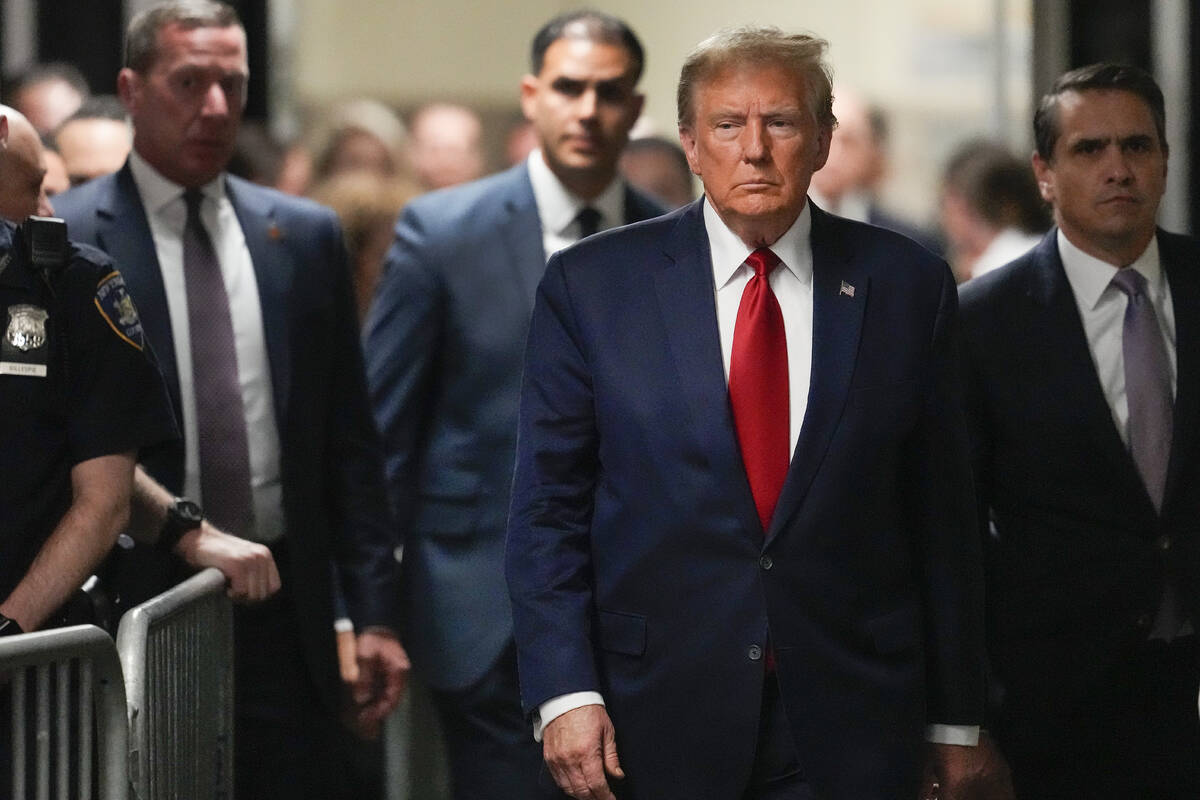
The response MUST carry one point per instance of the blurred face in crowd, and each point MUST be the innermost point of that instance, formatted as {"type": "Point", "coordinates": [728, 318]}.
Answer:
{"type": "Point", "coordinates": [186, 108]}
{"type": "Point", "coordinates": [92, 147]}
{"type": "Point", "coordinates": [47, 103]}
{"type": "Point", "coordinates": [855, 161]}
{"type": "Point", "coordinates": [755, 143]}
{"type": "Point", "coordinates": [22, 169]}
{"type": "Point", "coordinates": [582, 105]}
{"type": "Point", "coordinates": [1107, 174]}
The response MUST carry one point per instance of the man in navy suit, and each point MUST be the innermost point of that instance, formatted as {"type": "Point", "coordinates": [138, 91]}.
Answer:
{"type": "Point", "coordinates": [1087, 459]}
{"type": "Point", "coordinates": [443, 345]}
{"type": "Point", "coordinates": [290, 458]}
{"type": "Point", "coordinates": [741, 552]}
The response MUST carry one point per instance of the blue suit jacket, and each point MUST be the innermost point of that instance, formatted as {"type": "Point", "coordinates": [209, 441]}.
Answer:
{"type": "Point", "coordinates": [1076, 566]}
{"type": "Point", "coordinates": [335, 509]}
{"type": "Point", "coordinates": [444, 340]}
{"type": "Point", "coordinates": [636, 562]}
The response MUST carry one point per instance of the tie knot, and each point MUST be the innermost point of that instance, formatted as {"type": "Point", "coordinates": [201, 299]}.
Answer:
{"type": "Point", "coordinates": [1130, 281]}
{"type": "Point", "coordinates": [193, 198]}
{"type": "Point", "coordinates": [589, 221]}
{"type": "Point", "coordinates": [762, 261]}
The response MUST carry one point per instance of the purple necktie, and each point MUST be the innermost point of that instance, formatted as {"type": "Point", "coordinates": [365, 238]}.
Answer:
{"type": "Point", "coordinates": [220, 418]}
{"type": "Point", "coordinates": [1147, 385]}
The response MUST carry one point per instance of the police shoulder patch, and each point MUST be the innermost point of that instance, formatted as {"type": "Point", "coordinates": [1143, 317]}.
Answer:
{"type": "Point", "coordinates": [116, 306]}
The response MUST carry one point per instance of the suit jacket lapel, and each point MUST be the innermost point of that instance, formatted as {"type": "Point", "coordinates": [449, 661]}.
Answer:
{"type": "Point", "coordinates": [837, 325]}
{"type": "Point", "coordinates": [686, 300]}
{"type": "Point", "coordinates": [1180, 261]}
{"type": "Point", "coordinates": [273, 271]}
{"type": "Point", "coordinates": [521, 230]}
{"type": "Point", "coordinates": [123, 231]}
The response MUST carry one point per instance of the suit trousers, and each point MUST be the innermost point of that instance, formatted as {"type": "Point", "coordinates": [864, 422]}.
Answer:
{"type": "Point", "coordinates": [1140, 738]}
{"type": "Point", "coordinates": [489, 741]}
{"type": "Point", "coordinates": [286, 742]}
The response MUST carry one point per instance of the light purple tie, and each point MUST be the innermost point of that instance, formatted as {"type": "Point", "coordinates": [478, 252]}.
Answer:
{"type": "Point", "coordinates": [220, 418]}
{"type": "Point", "coordinates": [1147, 385]}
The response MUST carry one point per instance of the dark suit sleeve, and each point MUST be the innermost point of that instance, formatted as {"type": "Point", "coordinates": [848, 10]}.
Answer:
{"type": "Point", "coordinates": [401, 344]}
{"type": "Point", "coordinates": [548, 558]}
{"type": "Point", "coordinates": [364, 547]}
{"type": "Point", "coordinates": [941, 502]}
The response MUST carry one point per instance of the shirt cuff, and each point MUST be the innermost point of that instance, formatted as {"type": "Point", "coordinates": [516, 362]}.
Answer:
{"type": "Point", "coordinates": [555, 707]}
{"type": "Point", "coordinates": [965, 735]}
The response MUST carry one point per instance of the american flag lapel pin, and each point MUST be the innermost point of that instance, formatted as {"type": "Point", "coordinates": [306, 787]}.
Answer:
{"type": "Point", "coordinates": [846, 289]}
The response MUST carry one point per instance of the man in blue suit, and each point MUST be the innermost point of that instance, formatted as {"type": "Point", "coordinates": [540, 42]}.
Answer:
{"type": "Point", "coordinates": [246, 297]}
{"type": "Point", "coordinates": [1086, 447]}
{"type": "Point", "coordinates": [742, 552]}
{"type": "Point", "coordinates": [443, 344]}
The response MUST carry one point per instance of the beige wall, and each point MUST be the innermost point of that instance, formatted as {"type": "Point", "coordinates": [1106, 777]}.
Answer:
{"type": "Point", "coordinates": [930, 62]}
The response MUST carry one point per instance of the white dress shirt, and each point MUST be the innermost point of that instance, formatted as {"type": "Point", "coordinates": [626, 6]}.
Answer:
{"type": "Point", "coordinates": [557, 207]}
{"type": "Point", "coordinates": [166, 211]}
{"type": "Point", "coordinates": [792, 284]}
{"type": "Point", "coordinates": [1005, 246]}
{"type": "Point", "coordinates": [1102, 309]}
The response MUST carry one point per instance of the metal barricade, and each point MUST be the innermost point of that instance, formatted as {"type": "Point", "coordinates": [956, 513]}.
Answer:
{"type": "Point", "coordinates": [67, 702]}
{"type": "Point", "coordinates": [177, 653]}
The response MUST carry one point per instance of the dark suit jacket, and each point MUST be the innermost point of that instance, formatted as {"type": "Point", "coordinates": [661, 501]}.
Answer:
{"type": "Point", "coordinates": [1076, 563]}
{"type": "Point", "coordinates": [636, 562]}
{"type": "Point", "coordinates": [444, 340]}
{"type": "Point", "coordinates": [333, 498]}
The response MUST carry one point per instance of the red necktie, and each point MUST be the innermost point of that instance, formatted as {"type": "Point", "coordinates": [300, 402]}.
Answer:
{"type": "Point", "coordinates": [758, 386]}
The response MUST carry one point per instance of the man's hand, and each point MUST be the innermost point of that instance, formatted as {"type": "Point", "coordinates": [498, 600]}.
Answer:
{"type": "Point", "coordinates": [248, 567]}
{"type": "Point", "coordinates": [382, 675]}
{"type": "Point", "coordinates": [955, 772]}
{"type": "Point", "coordinates": [580, 748]}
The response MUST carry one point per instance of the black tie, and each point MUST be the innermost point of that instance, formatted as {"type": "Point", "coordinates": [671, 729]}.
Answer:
{"type": "Point", "coordinates": [589, 221]}
{"type": "Point", "coordinates": [220, 418]}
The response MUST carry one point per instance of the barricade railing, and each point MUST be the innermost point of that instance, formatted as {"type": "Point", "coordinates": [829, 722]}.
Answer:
{"type": "Point", "coordinates": [65, 701]}
{"type": "Point", "coordinates": [177, 653]}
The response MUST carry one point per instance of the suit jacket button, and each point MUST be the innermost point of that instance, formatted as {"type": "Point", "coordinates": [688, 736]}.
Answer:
{"type": "Point", "coordinates": [755, 652]}
{"type": "Point", "coordinates": [1144, 621]}
{"type": "Point", "coordinates": [766, 562]}
{"type": "Point", "coordinates": [1163, 542]}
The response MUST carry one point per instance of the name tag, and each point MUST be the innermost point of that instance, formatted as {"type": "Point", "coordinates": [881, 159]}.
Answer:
{"type": "Point", "coordinates": [28, 370]}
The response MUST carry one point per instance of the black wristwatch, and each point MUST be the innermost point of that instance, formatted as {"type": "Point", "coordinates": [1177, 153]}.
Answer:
{"type": "Point", "coordinates": [182, 516]}
{"type": "Point", "coordinates": [9, 626]}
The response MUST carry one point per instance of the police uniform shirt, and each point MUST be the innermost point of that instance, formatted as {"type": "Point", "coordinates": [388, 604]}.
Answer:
{"type": "Point", "coordinates": [76, 382]}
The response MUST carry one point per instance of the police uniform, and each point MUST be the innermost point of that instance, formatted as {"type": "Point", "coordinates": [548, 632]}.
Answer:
{"type": "Point", "coordinates": [77, 381]}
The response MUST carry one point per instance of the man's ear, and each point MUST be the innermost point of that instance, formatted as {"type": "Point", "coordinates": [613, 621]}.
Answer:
{"type": "Point", "coordinates": [687, 140]}
{"type": "Point", "coordinates": [529, 91]}
{"type": "Point", "coordinates": [3, 132]}
{"type": "Point", "coordinates": [1044, 173]}
{"type": "Point", "coordinates": [128, 88]}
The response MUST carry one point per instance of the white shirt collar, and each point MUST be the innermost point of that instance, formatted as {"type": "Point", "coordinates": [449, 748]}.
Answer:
{"type": "Point", "coordinates": [158, 192]}
{"type": "Point", "coordinates": [729, 252]}
{"type": "Point", "coordinates": [557, 207]}
{"type": "Point", "coordinates": [1090, 276]}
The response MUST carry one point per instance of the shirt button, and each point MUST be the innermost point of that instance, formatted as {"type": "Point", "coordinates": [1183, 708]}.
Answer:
{"type": "Point", "coordinates": [754, 653]}
{"type": "Point", "coordinates": [766, 562]}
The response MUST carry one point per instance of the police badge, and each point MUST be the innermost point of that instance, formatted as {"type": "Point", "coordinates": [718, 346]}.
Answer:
{"type": "Point", "coordinates": [26, 327]}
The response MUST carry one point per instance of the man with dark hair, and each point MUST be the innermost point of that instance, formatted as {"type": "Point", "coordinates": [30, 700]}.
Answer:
{"type": "Point", "coordinates": [444, 340]}
{"type": "Point", "coordinates": [1083, 381]}
{"type": "Point", "coordinates": [95, 140]}
{"type": "Point", "coordinates": [246, 295]}
{"type": "Point", "coordinates": [742, 552]}
{"type": "Point", "coordinates": [991, 209]}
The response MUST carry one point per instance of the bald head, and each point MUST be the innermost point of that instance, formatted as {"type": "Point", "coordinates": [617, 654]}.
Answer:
{"type": "Point", "coordinates": [22, 168]}
{"type": "Point", "coordinates": [855, 160]}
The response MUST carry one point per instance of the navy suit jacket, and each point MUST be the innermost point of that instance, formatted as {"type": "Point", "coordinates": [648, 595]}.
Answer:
{"type": "Point", "coordinates": [636, 562]}
{"type": "Point", "coordinates": [335, 509]}
{"type": "Point", "coordinates": [1078, 555]}
{"type": "Point", "coordinates": [444, 341]}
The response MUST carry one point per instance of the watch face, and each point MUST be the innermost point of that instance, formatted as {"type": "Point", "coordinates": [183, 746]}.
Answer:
{"type": "Point", "coordinates": [187, 511]}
